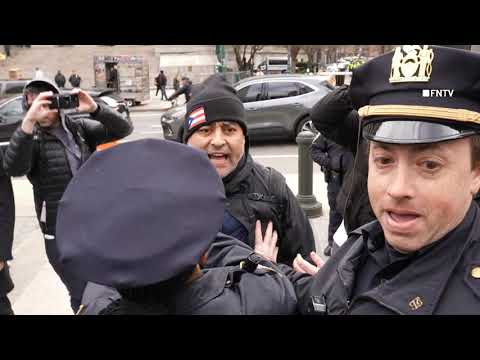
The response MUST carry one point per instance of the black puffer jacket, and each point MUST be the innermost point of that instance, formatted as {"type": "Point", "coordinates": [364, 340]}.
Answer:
{"type": "Point", "coordinates": [42, 157]}
{"type": "Point", "coordinates": [335, 117]}
{"type": "Point", "coordinates": [256, 192]}
{"type": "Point", "coordinates": [7, 215]}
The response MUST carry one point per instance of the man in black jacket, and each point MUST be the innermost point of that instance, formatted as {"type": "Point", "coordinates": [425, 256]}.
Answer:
{"type": "Point", "coordinates": [75, 79]}
{"type": "Point", "coordinates": [161, 82]}
{"type": "Point", "coordinates": [49, 148]}
{"type": "Point", "coordinates": [334, 161]}
{"type": "Point", "coordinates": [7, 223]}
{"type": "Point", "coordinates": [215, 123]}
{"type": "Point", "coordinates": [420, 255]}
{"type": "Point", "coordinates": [60, 80]}
{"type": "Point", "coordinates": [185, 89]}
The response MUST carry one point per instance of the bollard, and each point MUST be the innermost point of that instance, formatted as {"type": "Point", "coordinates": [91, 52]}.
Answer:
{"type": "Point", "coordinates": [305, 196]}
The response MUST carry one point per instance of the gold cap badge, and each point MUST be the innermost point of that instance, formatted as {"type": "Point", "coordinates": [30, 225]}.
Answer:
{"type": "Point", "coordinates": [411, 63]}
{"type": "Point", "coordinates": [476, 272]}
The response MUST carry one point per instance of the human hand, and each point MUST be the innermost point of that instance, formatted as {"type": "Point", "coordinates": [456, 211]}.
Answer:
{"type": "Point", "coordinates": [266, 245]}
{"type": "Point", "coordinates": [303, 266]}
{"type": "Point", "coordinates": [39, 109]}
{"type": "Point", "coordinates": [85, 101]}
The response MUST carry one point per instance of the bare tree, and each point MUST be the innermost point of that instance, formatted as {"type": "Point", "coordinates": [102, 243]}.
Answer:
{"type": "Point", "coordinates": [245, 56]}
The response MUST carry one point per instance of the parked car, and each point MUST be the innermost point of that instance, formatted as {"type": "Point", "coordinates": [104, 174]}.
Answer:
{"type": "Point", "coordinates": [11, 111]}
{"type": "Point", "coordinates": [277, 106]}
{"type": "Point", "coordinates": [11, 88]}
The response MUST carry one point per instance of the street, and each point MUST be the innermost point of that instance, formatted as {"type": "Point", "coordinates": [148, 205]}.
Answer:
{"type": "Point", "coordinates": [38, 289]}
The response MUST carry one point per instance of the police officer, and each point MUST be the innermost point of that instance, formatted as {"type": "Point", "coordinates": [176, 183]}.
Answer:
{"type": "Point", "coordinates": [151, 224]}
{"type": "Point", "coordinates": [334, 161]}
{"type": "Point", "coordinates": [420, 113]}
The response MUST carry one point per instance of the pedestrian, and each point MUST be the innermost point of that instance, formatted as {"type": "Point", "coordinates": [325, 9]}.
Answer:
{"type": "Point", "coordinates": [114, 79]}
{"type": "Point", "coordinates": [60, 79]}
{"type": "Point", "coordinates": [163, 84]}
{"type": "Point", "coordinates": [215, 123]}
{"type": "Point", "coordinates": [7, 50]}
{"type": "Point", "coordinates": [38, 74]}
{"type": "Point", "coordinates": [145, 259]}
{"type": "Point", "coordinates": [335, 161]}
{"type": "Point", "coordinates": [75, 79]}
{"type": "Point", "coordinates": [49, 148]}
{"type": "Point", "coordinates": [423, 152]}
{"type": "Point", "coordinates": [7, 223]}
{"type": "Point", "coordinates": [176, 82]}
{"type": "Point", "coordinates": [186, 90]}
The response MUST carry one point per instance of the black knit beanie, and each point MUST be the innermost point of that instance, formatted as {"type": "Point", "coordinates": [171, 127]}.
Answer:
{"type": "Point", "coordinates": [214, 100]}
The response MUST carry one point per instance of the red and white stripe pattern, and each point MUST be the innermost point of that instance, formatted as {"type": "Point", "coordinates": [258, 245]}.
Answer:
{"type": "Point", "coordinates": [196, 117]}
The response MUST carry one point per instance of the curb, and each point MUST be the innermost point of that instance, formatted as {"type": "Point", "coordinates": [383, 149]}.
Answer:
{"type": "Point", "coordinates": [146, 109]}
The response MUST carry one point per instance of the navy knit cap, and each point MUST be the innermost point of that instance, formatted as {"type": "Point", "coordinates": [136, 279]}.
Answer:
{"type": "Point", "coordinates": [139, 213]}
{"type": "Point", "coordinates": [214, 100]}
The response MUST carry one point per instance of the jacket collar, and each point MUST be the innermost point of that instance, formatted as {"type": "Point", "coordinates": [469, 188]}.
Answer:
{"type": "Point", "coordinates": [418, 288]}
{"type": "Point", "coordinates": [234, 181]}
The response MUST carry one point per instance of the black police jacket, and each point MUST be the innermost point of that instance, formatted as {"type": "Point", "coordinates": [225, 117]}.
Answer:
{"type": "Point", "coordinates": [336, 119]}
{"type": "Point", "coordinates": [443, 278]}
{"type": "Point", "coordinates": [227, 288]}
{"type": "Point", "coordinates": [330, 155]}
{"type": "Point", "coordinates": [255, 192]}
{"type": "Point", "coordinates": [42, 157]}
{"type": "Point", "coordinates": [7, 214]}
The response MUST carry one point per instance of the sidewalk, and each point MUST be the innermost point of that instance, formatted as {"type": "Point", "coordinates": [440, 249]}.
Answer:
{"type": "Point", "coordinates": [155, 104]}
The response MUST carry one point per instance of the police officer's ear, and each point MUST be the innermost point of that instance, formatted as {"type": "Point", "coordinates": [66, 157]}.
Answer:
{"type": "Point", "coordinates": [475, 185]}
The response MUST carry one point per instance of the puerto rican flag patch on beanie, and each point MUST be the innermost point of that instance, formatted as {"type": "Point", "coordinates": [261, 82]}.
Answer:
{"type": "Point", "coordinates": [196, 117]}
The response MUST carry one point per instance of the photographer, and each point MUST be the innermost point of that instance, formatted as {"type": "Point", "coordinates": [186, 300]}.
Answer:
{"type": "Point", "coordinates": [49, 148]}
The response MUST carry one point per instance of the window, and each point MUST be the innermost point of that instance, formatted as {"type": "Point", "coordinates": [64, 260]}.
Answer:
{"type": "Point", "coordinates": [14, 88]}
{"type": "Point", "coordinates": [250, 93]}
{"type": "Point", "coordinates": [304, 89]}
{"type": "Point", "coordinates": [12, 110]}
{"type": "Point", "coordinates": [278, 90]}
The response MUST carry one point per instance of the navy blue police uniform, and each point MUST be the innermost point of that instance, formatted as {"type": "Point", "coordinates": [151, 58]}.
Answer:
{"type": "Point", "coordinates": [144, 228]}
{"type": "Point", "coordinates": [397, 97]}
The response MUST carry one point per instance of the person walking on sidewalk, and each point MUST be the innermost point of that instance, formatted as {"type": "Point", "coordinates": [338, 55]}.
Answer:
{"type": "Point", "coordinates": [60, 80]}
{"type": "Point", "coordinates": [75, 79]}
{"type": "Point", "coordinates": [161, 81]}
{"type": "Point", "coordinates": [50, 148]}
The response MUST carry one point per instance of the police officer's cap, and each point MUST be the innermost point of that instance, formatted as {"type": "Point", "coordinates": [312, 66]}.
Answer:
{"type": "Point", "coordinates": [139, 213]}
{"type": "Point", "coordinates": [418, 94]}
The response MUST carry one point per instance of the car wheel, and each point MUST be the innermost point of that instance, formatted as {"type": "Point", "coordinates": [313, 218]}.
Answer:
{"type": "Point", "coordinates": [305, 124]}
{"type": "Point", "coordinates": [130, 102]}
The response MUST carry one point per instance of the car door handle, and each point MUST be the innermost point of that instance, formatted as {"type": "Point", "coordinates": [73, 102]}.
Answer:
{"type": "Point", "coordinates": [297, 104]}
{"type": "Point", "coordinates": [253, 109]}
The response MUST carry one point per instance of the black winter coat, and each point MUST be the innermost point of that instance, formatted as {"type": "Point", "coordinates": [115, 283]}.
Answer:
{"type": "Point", "coordinates": [255, 193]}
{"type": "Point", "coordinates": [331, 156]}
{"type": "Point", "coordinates": [336, 119]}
{"type": "Point", "coordinates": [224, 289]}
{"type": "Point", "coordinates": [439, 279]}
{"type": "Point", "coordinates": [7, 214]}
{"type": "Point", "coordinates": [186, 90]}
{"type": "Point", "coordinates": [42, 157]}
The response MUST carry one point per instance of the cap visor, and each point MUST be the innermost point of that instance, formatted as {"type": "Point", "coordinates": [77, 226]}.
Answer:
{"type": "Point", "coordinates": [402, 131]}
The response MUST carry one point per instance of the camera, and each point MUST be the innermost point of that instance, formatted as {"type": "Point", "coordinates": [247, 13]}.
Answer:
{"type": "Point", "coordinates": [64, 101]}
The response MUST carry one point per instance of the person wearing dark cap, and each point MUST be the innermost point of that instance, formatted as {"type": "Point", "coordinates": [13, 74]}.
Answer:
{"type": "Point", "coordinates": [185, 89]}
{"type": "Point", "coordinates": [215, 123]}
{"type": "Point", "coordinates": [145, 255]}
{"type": "Point", "coordinates": [49, 147]}
{"type": "Point", "coordinates": [421, 123]}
